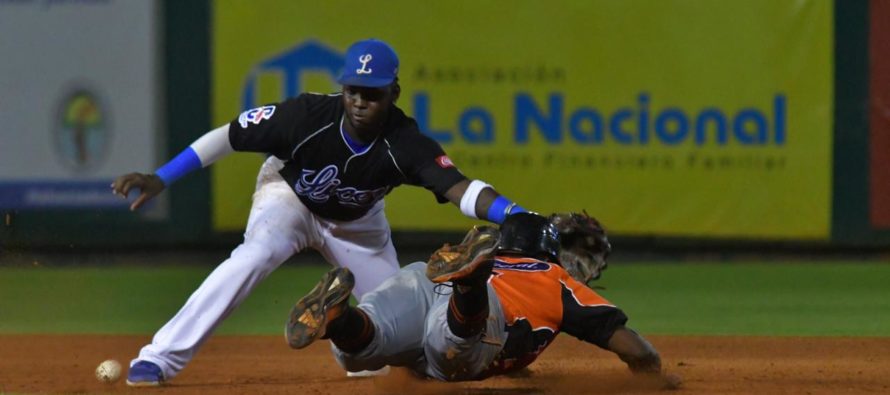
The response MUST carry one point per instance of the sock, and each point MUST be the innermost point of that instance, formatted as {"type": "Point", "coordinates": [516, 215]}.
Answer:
{"type": "Point", "coordinates": [468, 309]}
{"type": "Point", "coordinates": [352, 331]}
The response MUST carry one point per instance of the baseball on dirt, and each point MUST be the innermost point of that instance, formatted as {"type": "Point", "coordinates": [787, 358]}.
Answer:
{"type": "Point", "coordinates": [109, 371]}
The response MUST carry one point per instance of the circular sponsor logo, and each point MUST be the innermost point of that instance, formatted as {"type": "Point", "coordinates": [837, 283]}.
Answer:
{"type": "Point", "coordinates": [82, 134]}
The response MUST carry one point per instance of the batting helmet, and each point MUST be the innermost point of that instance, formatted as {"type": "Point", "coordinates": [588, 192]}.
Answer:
{"type": "Point", "coordinates": [530, 235]}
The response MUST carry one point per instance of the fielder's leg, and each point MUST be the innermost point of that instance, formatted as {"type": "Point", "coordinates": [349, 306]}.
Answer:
{"type": "Point", "coordinates": [279, 226]}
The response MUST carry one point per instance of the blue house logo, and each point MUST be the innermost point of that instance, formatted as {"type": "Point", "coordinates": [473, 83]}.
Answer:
{"type": "Point", "coordinates": [309, 56]}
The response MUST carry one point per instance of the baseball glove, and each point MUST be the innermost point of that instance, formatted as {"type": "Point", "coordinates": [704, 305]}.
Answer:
{"type": "Point", "coordinates": [584, 246]}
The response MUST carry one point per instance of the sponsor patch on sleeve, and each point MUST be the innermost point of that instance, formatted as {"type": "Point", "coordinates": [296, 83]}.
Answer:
{"type": "Point", "coordinates": [255, 115]}
{"type": "Point", "coordinates": [444, 162]}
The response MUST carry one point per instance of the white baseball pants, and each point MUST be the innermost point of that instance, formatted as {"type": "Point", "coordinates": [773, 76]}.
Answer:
{"type": "Point", "coordinates": [279, 226]}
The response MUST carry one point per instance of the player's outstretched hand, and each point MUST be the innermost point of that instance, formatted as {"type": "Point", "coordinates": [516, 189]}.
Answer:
{"type": "Point", "coordinates": [658, 380]}
{"type": "Point", "coordinates": [149, 185]}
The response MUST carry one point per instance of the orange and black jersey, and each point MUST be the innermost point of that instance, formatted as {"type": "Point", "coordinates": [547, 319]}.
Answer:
{"type": "Point", "coordinates": [540, 299]}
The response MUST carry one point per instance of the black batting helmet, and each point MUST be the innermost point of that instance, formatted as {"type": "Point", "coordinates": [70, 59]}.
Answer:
{"type": "Point", "coordinates": [530, 235]}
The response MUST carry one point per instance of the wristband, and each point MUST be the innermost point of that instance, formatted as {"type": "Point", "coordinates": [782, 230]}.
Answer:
{"type": "Point", "coordinates": [184, 163]}
{"type": "Point", "coordinates": [502, 207]}
{"type": "Point", "coordinates": [468, 200]}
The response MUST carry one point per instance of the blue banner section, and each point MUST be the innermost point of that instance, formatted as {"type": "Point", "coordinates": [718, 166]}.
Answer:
{"type": "Point", "coordinates": [33, 195]}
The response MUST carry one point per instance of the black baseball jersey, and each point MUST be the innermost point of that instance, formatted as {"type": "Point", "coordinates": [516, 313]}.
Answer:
{"type": "Point", "coordinates": [331, 178]}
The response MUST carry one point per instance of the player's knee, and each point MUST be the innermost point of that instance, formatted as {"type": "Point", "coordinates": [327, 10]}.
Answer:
{"type": "Point", "coordinates": [252, 252]}
{"type": "Point", "coordinates": [451, 358]}
{"type": "Point", "coordinates": [261, 255]}
{"type": "Point", "coordinates": [453, 364]}
{"type": "Point", "coordinates": [357, 362]}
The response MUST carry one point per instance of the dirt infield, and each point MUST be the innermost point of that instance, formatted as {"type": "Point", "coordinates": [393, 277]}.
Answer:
{"type": "Point", "coordinates": [264, 364]}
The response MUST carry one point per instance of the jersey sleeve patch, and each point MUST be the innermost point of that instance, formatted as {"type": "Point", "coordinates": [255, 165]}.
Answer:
{"type": "Point", "coordinates": [255, 115]}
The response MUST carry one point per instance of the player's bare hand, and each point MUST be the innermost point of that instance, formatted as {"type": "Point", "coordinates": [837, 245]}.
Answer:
{"type": "Point", "coordinates": [149, 186]}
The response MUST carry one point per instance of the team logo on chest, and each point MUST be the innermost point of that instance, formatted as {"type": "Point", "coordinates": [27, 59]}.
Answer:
{"type": "Point", "coordinates": [319, 185]}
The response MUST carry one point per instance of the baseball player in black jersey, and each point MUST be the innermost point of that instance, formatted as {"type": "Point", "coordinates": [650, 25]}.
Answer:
{"type": "Point", "coordinates": [332, 160]}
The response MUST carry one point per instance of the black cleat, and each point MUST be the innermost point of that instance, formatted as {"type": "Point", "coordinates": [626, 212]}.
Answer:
{"type": "Point", "coordinates": [312, 313]}
{"type": "Point", "coordinates": [461, 262]}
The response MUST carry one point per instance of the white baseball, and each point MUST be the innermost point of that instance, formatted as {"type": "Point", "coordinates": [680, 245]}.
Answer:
{"type": "Point", "coordinates": [109, 371]}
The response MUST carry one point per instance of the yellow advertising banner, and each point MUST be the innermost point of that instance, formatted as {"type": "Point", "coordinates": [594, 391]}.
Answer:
{"type": "Point", "coordinates": [673, 118]}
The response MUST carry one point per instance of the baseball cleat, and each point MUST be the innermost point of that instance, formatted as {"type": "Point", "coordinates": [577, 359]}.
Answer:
{"type": "Point", "coordinates": [145, 374]}
{"type": "Point", "coordinates": [327, 301]}
{"type": "Point", "coordinates": [461, 261]}
{"type": "Point", "coordinates": [384, 371]}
